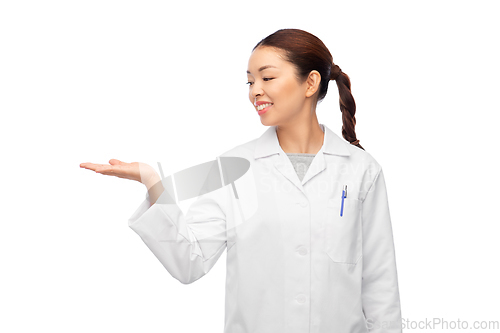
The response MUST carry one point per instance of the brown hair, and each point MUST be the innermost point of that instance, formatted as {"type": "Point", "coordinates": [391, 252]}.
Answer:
{"type": "Point", "coordinates": [307, 52]}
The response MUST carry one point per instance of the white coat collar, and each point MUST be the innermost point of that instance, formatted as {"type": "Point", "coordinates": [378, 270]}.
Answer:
{"type": "Point", "coordinates": [268, 144]}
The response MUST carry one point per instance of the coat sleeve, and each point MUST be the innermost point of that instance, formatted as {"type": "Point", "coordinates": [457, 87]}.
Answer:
{"type": "Point", "coordinates": [380, 291]}
{"type": "Point", "coordinates": [189, 245]}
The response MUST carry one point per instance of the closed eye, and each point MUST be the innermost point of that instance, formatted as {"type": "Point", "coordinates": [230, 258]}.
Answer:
{"type": "Point", "coordinates": [265, 79]}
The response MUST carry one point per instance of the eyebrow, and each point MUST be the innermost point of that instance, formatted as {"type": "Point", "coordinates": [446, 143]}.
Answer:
{"type": "Point", "coordinates": [264, 67]}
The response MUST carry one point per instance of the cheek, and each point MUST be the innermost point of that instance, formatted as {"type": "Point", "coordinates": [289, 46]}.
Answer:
{"type": "Point", "coordinates": [289, 89]}
{"type": "Point", "coordinates": [287, 94]}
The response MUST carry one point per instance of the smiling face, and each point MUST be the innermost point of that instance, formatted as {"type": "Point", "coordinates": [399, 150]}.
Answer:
{"type": "Point", "coordinates": [272, 79]}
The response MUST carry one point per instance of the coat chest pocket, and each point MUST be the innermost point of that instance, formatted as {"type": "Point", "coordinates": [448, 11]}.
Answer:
{"type": "Point", "coordinates": [342, 236]}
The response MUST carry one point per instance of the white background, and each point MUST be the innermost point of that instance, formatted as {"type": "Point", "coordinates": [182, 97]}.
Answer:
{"type": "Point", "coordinates": [149, 81]}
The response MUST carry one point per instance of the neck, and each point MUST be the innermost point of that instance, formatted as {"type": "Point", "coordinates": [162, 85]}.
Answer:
{"type": "Point", "coordinates": [301, 137]}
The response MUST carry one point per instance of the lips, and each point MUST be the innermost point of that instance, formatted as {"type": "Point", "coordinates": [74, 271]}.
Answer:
{"type": "Point", "coordinates": [262, 105]}
{"type": "Point", "coordinates": [263, 108]}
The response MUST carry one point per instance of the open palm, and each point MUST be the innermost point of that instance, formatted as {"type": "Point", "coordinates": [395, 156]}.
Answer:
{"type": "Point", "coordinates": [137, 171]}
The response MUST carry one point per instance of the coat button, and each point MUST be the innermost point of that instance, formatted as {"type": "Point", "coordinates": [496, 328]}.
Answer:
{"type": "Point", "coordinates": [303, 251]}
{"type": "Point", "coordinates": [301, 298]}
{"type": "Point", "coordinates": [303, 203]}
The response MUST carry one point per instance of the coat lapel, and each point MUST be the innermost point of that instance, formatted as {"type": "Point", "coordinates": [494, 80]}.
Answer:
{"type": "Point", "coordinates": [268, 145]}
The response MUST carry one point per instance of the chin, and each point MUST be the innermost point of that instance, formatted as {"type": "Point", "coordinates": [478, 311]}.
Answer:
{"type": "Point", "coordinates": [266, 122]}
{"type": "Point", "coordinates": [271, 121]}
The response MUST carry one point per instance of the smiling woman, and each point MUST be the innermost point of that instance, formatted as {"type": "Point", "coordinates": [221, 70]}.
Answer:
{"type": "Point", "coordinates": [289, 64]}
{"type": "Point", "coordinates": [304, 254]}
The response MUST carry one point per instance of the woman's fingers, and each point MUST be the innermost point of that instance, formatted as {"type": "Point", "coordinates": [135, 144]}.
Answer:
{"type": "Point", "coordinates": [137, 171]}
{"type": "Point", "coordinates": [94, 166]}
{"type": "Point", "coordinates": [103, 168]}
{"type": "Point", "coordinates": [114, 161]}
{"type": "Point", "coordinates": [90, 166]}
{"type": "Point", "coordinates": [107, 169]}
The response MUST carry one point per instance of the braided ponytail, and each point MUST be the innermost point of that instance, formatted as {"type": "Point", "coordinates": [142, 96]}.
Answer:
{"type": "Point", "coordinates": [347, 104]}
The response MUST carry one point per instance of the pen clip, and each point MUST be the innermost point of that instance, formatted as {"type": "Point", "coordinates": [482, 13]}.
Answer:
{"type": "Point", "coordinates": [344, 195]}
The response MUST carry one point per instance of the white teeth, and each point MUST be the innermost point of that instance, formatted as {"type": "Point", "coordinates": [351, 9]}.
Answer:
{"type": "Point", "coordinates": [263, 106]}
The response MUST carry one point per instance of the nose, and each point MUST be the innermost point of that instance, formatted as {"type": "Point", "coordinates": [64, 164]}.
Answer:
{"type": "Point", "coordinates": [255, 91]}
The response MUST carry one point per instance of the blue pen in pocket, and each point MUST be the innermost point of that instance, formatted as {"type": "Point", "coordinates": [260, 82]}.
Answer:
{"type": "Point", "coordinates": [344, 195]}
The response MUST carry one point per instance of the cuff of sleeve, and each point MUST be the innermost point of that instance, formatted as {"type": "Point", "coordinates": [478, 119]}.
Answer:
{"type": "Point", "coordinates": [143, 207]}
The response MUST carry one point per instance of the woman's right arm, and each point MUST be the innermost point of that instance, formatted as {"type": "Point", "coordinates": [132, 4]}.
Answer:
{"type": "Point", "coordinates": [188, 245]}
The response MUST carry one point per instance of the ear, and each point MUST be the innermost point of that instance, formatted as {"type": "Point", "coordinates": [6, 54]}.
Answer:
{"type": "Point", "coordinates": [312, 83]}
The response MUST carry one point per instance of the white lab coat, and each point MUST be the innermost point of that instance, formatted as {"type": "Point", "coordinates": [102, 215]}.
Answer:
{"type": "Point", "coordinates": [294, 264]}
